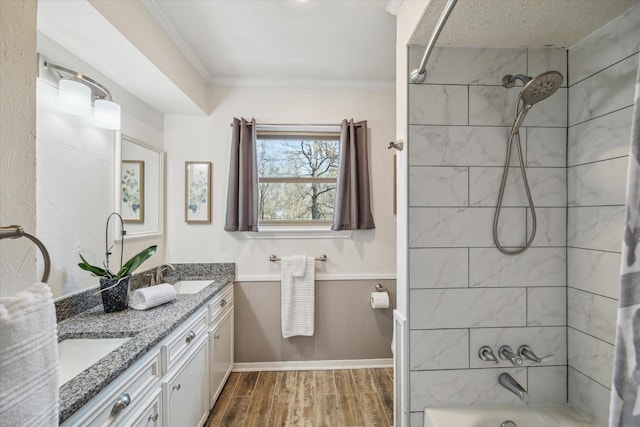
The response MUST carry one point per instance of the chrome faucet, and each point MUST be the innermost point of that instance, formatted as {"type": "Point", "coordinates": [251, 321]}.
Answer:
{"type": "Point", "coordinates": [508, 382]}
{"type": "Point", "coordinates": [526, 352]}
{"type": "Point", "coordinates": [159, 276]}
{"type": "Point", "coordinates": [486, 355]}
{"type": "Point", "coordinates": [506, 353]}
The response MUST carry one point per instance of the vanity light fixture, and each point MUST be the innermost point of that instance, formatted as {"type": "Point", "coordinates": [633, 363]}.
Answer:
{"type": "Point", "coordinates": [78, 92]}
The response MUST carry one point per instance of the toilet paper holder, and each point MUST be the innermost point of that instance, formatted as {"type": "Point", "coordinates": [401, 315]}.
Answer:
{"type": "Point", "coordinates": [380, 288]}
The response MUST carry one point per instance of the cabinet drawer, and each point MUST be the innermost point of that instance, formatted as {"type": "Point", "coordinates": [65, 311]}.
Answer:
{"type": "Point", "coordinates": [131, 388]}
{"type": "Point", "coordinates": [182, 340]}
{"type": "Point", "coordinates": [221, 304]}
{"type": "Point", "coordinates": [149, 414]}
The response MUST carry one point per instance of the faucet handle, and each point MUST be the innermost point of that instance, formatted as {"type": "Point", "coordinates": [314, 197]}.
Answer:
{"type": "Point", "coordinates": [526, 352]}
{"type": "Point", "coordinates": [506, 353]}
{"type": "Point", "coordinates": [486, 354]}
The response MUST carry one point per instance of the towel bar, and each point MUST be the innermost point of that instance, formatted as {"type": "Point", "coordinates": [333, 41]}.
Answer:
{"type": "Point", "coordinates": [15, 231]}
{"type": "Point", "coordinates": [274, 258]}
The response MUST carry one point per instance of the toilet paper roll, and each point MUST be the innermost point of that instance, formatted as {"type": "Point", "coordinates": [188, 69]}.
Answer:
{"type": "Point", "coordinates": [379, 300]}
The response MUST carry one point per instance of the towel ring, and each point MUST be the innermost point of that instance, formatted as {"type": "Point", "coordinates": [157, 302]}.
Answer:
{"type": "Point", "coordinates": [15, 231]}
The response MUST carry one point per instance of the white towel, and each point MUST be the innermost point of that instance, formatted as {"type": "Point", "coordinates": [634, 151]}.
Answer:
{"type": "Point", "coordinates": [29, 358]}
{"type": "Point", "coordinates": [297, 298]}
{"type": "Point", "coordinates": [298, 264]}
{"type": "Point", "coordinates": [153, 296]}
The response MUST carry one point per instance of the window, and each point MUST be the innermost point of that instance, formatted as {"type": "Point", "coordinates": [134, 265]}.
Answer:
{"type": "Point", "coordinates": [297, 169]}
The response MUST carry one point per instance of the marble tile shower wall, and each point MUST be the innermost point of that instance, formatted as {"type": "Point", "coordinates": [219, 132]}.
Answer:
{"type": "Point", "coordinates": [602, 71]}
{"type": "Point", "coordinates": [463, 292]}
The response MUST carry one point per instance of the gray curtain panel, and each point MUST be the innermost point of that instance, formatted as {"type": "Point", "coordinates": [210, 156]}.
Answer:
{"type": "Point", "coordinates": [625, 392]}
{"type": "Point", "coordinates": [352, 209]}
{"type": "Point", "coordinates": [242, 197]}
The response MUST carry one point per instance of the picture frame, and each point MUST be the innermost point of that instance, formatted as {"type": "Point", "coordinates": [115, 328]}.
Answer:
{"type": "Point", "coordinates": [132, 191]}
{"type": "Point", "coordinates": [197, 192]}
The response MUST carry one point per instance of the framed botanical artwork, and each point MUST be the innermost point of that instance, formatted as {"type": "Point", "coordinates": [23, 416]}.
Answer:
{"type": "Point", "coordinates": [197, 192]}
{"type": "Point", "coordinates": [132, 190]}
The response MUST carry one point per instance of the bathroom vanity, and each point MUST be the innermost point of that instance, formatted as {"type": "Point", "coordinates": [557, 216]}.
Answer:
{"type": "Point", "coordinates": [170, 370]}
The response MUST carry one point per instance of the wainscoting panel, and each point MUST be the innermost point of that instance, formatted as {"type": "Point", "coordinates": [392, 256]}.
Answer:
{"type": "Point", "coordinates": [346, 326]}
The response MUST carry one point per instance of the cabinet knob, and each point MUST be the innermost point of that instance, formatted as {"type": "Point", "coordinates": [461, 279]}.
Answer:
{"type": "Point", "coordinates": [176, 387]}
{"type": "Point", "coordinates": [190, 336]}
{"type": "Point", "coordinates": [152, 418]}
{"type": "Point", "coordinates": [121, 402]}
{"type": "Point", "coordinates": [223, 303]}
{"type": "Point", "coordinates": [216, 337]}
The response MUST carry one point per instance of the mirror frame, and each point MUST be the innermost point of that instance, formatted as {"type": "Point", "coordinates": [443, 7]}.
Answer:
{"type": "Point", "coordinates": [118, 190]}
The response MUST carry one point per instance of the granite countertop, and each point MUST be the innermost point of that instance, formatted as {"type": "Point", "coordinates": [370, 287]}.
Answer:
{"type": "Point", "coordinates": [146, 329]}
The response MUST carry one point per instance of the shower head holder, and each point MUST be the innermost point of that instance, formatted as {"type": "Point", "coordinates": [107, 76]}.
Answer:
{"type": "Point", "coordinates": [509, 80]}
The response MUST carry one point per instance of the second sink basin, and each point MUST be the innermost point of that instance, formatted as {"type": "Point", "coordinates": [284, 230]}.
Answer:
{"type": "Point", "coordinates": [191, 286]}
{"type": "Point", "coordinates": [77, 354]}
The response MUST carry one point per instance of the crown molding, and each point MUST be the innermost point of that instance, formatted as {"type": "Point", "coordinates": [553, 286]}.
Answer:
{"type": "Point", "coordinates": [304, 83]}
{"type": "Point", "coordinates": [174, 35]}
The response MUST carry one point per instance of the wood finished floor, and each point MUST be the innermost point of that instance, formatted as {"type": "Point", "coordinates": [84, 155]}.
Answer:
{"type": "Point", "coordinates": [340, 398]}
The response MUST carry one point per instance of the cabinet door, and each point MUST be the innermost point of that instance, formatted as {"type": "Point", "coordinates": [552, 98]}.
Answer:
{"type": "Point", "coordinates": [221, 339]}
{"type": "Point", "coordinates": [186, 395]}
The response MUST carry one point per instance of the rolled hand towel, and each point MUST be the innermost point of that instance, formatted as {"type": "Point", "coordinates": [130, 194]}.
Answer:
{"type": "Point", "coordinates": [153, 296]}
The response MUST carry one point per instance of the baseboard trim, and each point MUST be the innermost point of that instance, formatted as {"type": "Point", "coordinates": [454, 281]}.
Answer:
{"type": "Point", "coordinates": [313, 365]}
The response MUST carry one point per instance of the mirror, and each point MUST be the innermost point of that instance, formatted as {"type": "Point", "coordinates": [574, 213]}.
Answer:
{"type": "Point", "coordinates": [139, 183]}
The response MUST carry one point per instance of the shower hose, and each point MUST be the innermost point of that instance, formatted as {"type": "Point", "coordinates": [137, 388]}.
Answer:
{"type": "Point", "coordinates": [515, 133]}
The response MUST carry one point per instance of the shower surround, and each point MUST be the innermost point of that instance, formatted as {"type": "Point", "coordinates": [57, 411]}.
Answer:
{"type": "Point", "coordinates": [463, 292]}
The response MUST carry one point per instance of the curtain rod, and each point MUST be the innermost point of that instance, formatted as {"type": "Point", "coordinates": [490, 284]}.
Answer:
{"type": "Point", "coordinates": [419, 74]}
{"type": "Point", "coordinates": [297, 124]}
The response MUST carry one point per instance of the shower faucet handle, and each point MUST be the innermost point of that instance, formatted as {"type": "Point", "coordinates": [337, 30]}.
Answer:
{"type": "Point", "coordinates": [487, 356]}
{"type": "Point", "coordinates": [506, 353]}
{"type": "Point", "coordinates": [526, 352]}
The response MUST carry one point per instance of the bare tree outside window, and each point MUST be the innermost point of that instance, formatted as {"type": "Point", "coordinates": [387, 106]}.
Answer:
{"type": "Point", "coordinates": [297, 177]}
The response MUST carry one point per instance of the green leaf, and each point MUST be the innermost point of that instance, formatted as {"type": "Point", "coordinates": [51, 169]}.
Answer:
{"type": "Point", "coordinates": [136, 261]}
{"type": "Point", "coordinates": [93, 269]}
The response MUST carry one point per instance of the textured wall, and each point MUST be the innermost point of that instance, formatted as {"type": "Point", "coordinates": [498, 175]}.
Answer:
{"type": "Point", "coordinates": [602, 75]}
{"type": "Point", "coordinates": [368, 254]}
{"type": "Point", "coordinates": [463, 292]}
{"type": "Point", "coordinates": [18, 69]}
{"type": "Point", "coordinates": [75, 174]}
{"type": "Point", "coordinates": [346, 326]}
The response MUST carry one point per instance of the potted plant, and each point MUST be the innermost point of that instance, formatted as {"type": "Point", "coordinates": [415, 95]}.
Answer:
{"type": "Point", "coordinates": [114, 286]}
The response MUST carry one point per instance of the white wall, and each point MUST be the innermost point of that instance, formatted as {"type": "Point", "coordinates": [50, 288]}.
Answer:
{"type": "Point", "coordinates": [18, 70]}
{"type": "Point", "coordinates": [407, 19]}
{"type": "Point", "coordinates": [75, 174]}
{"type": "Point", "coordinates": [368, 254]}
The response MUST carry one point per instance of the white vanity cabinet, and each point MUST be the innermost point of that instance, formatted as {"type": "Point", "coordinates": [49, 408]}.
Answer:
{"type": "Point", "coordinates": [220, 341]}
{"type": "Point", "coordinates": [177, 382]}
{"type": "Point", "coordinates": [186, 389]}
{"type": "Point", "coordinates": [149, 414]}
{"type": "Point", "coordinates": [122, 397]}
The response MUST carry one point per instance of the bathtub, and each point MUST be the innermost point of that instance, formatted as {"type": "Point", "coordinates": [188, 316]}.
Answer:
{"type": "Point", "coordinates": [494, 416]}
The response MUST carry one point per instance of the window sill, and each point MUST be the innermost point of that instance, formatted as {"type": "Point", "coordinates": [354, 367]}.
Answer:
{"type": "Point", "coordinates": [293, 232]}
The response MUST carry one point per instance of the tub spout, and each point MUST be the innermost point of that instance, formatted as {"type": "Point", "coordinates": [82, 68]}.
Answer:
{"type": "Point", "coordinates": [508, 382]}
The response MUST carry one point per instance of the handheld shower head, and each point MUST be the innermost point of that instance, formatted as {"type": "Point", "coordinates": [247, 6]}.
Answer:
{"type": "Point", "coordinates": [536, 89]}
{"type": "Point", "coordinates": [541, 87]}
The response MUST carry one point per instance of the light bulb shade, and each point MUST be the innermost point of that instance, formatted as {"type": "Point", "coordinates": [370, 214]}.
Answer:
{"type": "Point", "coordinates": [74, 97]}
{"type": "Point", "coordinates": [107, 114]}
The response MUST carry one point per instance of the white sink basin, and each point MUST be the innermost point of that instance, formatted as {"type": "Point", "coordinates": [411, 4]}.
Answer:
{"type": "Point", "coordinates": [191, 286]}
{"type": "Point", "coordinates": [77, 354]}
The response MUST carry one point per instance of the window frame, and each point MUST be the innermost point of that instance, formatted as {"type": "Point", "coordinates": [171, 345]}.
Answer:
{"type": "Point", "coordinates": [296, 226]}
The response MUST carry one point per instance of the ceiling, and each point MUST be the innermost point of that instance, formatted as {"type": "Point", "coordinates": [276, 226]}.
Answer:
{"type": "Point", "coordinates": [231, 41]}
{"type": "Point", "coordinates": [518, 23]}
{"type": "Point", "coordinates": [293, 43]}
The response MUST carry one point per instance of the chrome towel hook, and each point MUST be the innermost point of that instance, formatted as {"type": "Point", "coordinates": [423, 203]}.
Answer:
{"type": "Point", "coordinates": [397, 145]}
